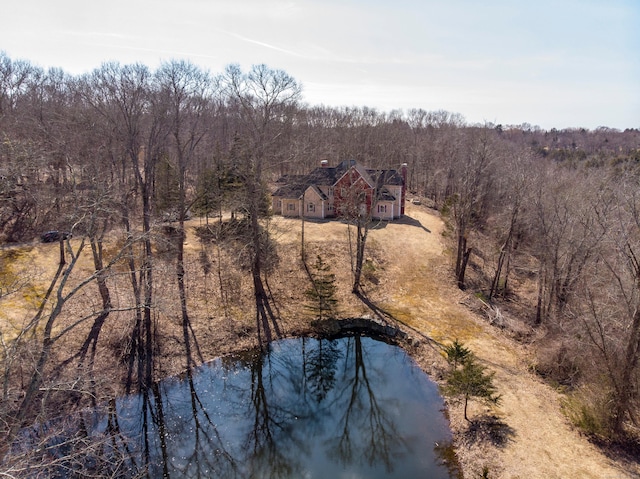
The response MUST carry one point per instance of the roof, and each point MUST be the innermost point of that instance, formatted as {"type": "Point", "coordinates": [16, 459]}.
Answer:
{"type": "Point", "coordinates": [290, 179]}
{"type": "Point", "coordinates": [326, 176]}
{"type": "Point", "coordinates": [289, 191]}
{"type": "Point", "coordinates": [319, 192]}
{"type": "Point", "coordinates": [295, 185]}
{"type": "Point", "coordinates": [385, 195]}
{"type": "Point", "coordinates": [387, 177]}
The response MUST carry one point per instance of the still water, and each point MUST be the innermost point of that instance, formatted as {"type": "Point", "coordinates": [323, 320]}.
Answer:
{"type": "Point", "coordinates": [353, 407]}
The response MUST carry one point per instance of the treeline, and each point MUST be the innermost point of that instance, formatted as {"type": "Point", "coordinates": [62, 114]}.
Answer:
{"type": "Point", "coordinates": [544, 225]}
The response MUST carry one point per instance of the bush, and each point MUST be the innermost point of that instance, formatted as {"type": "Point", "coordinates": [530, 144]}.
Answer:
{"type": "Point", "coordinates": [587, 409]}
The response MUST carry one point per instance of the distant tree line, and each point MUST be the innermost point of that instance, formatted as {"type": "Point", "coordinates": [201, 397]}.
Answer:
{"type": "Point", "coordinates": [544, 224]}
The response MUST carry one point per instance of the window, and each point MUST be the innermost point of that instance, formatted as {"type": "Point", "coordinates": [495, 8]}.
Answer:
{"type": "Point", "coordinates": [382, 208]}
{"type": "Point", "coordinates": [330, 191]}
{"type": "Point", "coordinates": [291, 206]}
{"type": "Point", "coordinates": [311, 207]}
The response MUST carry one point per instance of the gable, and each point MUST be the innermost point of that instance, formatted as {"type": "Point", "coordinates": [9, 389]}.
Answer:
{"type": "Point", "coordinates": [353, 175]}
{"type": "Point", "coordinates": [313, 192]}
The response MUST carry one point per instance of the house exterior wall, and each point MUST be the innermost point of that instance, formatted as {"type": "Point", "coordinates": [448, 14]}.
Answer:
{"type": "Point", "coordinates": [314, 205]}
{"type": "Point", "coordinates": [352, 193]}
{"type": "Point", "coordinates": [290, 207]}
{"type": "Point", "coordinates": [276, 205]}
{"type": "Point", "coordinates": [384, 210]}
{"type": "Point", "coordinates": [398, 207]}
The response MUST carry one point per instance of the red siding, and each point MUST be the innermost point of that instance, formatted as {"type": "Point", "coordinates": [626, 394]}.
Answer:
{"type": "Point", "coordinates": [347, 189]}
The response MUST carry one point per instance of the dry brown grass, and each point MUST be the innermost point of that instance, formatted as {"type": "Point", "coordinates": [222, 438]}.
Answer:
{"type": "Point", "coordinates": [409, 276]}
{"type": "Point", "coordinates": [416, 286]}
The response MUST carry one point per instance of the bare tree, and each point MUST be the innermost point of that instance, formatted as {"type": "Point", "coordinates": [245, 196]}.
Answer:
{"type": "Point", "coordinates": [468, 201]}
{"type": "Point", "coordinates": [608, 306]}
{"type": "Point", "coordinates": [264, 100]}
{"type": "Point", "coordinates": [127, 99]}
{"type": "Point", "coordinates": [565, 208]}
{"type": "Point", "coordinates": [187, 93]}
{"type": "Point", "coordinates": [513, 184]}
{"type": "Point", "coordinates": [61, 290]}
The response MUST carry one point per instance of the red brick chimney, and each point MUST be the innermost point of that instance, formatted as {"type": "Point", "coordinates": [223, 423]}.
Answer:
{"type": "Point", "coordinates": [403, 172]}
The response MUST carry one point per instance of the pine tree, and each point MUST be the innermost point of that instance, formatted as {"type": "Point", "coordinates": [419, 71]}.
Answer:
{"type": "Point", "coordinates": [471, 379]}
{"type": "Point", "coordinates": [208, 196]}
{"type": "Point", "coordinates": [456, 353]}
{"type": "Point", "coordinates": [323, 302]}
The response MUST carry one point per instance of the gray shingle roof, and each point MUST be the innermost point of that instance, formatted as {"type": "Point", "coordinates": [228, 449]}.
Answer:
{"type": "Point", "coordinates": [294, 185]}
{"type": "Point", "coordinates": [385, 195]}
{"type": "Point", "coordinates": [319, 192]}
{"type": "Point", "coordinates": [289, 191]}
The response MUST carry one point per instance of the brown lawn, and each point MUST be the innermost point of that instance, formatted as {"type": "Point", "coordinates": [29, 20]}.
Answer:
{"type": "Point", "coordinates": [408, 276]}
{"type": "Point", "coordinates": [416, 286]}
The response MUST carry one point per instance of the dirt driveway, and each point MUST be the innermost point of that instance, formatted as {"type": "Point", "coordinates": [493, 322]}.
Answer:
{"type": "Point", "coordinates": [418, 289]}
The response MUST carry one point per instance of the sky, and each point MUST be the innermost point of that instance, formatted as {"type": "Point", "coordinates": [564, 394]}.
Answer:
{"type": "Point", "coordinates": [550, 63]}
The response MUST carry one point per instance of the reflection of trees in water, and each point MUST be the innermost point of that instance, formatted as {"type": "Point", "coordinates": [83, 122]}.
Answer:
{"type": "Point", "coordinates": [300, 402]}
{"type": "Point", "coordinates": [365, 428]}
{"type": "Point", "coordinates": [272, 448]}
{"type": "Point", "coordinates": [320, 365]}
{"type": "Point", "coordinates": [173, 435]}
{"type": "Point", "coordinates": [293, 398]}
{"type": "Point", "coordinates": [208, 454]}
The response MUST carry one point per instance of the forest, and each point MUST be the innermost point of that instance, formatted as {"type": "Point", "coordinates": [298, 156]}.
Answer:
{"type": "Point", "coordinates": [543, 226]}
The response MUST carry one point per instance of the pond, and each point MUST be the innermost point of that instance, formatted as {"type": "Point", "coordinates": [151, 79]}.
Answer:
{"type": "Point", "coordinates": [353, 407]}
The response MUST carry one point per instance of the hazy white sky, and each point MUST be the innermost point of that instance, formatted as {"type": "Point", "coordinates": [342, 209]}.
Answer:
{"type": "Point", "coordinates": [552, 63]}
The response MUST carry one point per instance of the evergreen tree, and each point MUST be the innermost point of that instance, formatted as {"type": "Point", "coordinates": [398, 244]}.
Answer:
{"type": "Point", "coordinates": [208, 194]}
{"type": "Point", "coordinates": [323, 290]}
{"type": "Point", "coordinates": [471, 379]}
{"type": "Point", "coordinates": [456, 353]}
{"type": "Point", "coordinates": [167, 188]}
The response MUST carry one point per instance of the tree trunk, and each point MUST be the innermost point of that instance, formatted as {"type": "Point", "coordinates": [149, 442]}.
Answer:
{"type": "Point", "coordinates": [540, 310]}
{"type": "Point", "coordinates": [463, 266]}
{"type": "Point", "coordinates": [265, 317]}
{"type": "Point", "coordinates": [361, 241]}
{"type": "Point", "coordinates": [186, 323]}
{"type": "Point", "coordinates": [496, 277]}
{"type": "Point", "coordinates": [462, 245]}
{"type": "Point", "coordinates": [33, 388]}
{"type": "Point", "coordinates": [91, 340]}
{"type": "Point", "coordinates": [505, 252]}
{"type": "Point", "coordinates": [466, 402]}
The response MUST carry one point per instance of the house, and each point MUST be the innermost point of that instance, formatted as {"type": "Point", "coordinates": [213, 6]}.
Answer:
{"type": "Point", "coordinates": [347, 189]}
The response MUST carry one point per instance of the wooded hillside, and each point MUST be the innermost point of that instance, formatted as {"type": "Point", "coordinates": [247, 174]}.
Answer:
{"type": "Point", "coordinates": [544, 226]}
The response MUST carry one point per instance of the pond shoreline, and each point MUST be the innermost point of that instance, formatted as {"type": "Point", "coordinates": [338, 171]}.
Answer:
{"type": "Point", "coordinates": [421, 427]}
{"type": "Point", "coordinates": [420, 348]}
